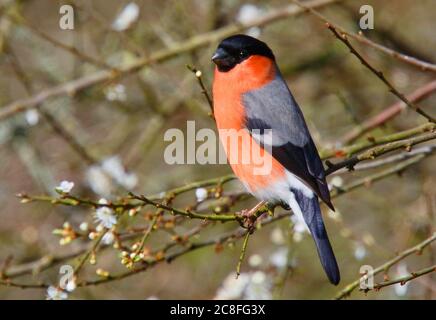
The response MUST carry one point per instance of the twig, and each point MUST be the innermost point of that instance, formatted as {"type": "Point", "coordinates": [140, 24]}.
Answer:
{"type": "Point", "coordinates": [352, 149]}
{"type": "Point", "coordinates": [395, 158]}
{"type": "Point", "coordinates": [343, 38]}
{"type": "Point", "coordinates": [21, 21]}
{"type": "Point", "coordinates": [378, 151]}
{"type": "Point", "coordinates": [198, 75]}
{"type": "Point", "coordinates": [233, 236]}
{"type": "Point", "coordinates": [242, 255]}
{"type": "Point", "coordinates": [403, 280]}
{"type": "Point", "coordinates": [72, 87]}
{"type": "Point", "coordinates": [377, 176]}
{"type": "Point", "coordinates": [389, 113]}
{"type": "Point", "coordinates": [387, 265]}
{"type": "Point", "coordinates": [187, 213]}
{"type": "Point", "coordinates": [90, 252]}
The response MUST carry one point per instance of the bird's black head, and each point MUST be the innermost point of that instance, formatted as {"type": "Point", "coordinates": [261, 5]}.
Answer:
{"type": "Point", "coordinates": [237, 48]}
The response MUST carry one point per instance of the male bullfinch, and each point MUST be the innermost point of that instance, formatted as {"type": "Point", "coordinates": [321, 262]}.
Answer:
{"type": "Point", "coordinates": [251, 96]}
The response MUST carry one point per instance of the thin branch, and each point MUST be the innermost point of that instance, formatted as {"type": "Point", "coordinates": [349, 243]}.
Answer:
{"type": "Point", "coordinates": [198, 74]}
{"type": "Point", "coordinates": [370, 142]}
{"type": "Point", "coordinates": [387, 265]}
{"type": "Point", "coordinates": [24, 269]}
{"type": "Point", "coordinates": [396, 158]}
{"type": "Point", "coordinates": [89, 253]}
{"type": "Point", "coordinates": [242, 255]}
{"type": "Point", "coordinates": [74, 86]}
{"type": "Point", "coordinates": [403, 280]}
{"type": "Point", "coordinates": [389, 113]}
{"type": "Point", "coordinates": [187, 213]}
{"type": "Point", "coordinates": [343, 38]}
{"type": "Point", "coordinates": [378, 151]}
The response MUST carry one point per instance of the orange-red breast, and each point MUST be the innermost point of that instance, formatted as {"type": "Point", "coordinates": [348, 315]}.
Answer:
{"type": "Point", "coordinates": [252, 99]}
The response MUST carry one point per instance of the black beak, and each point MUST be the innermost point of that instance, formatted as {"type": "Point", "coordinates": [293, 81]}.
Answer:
{"type": "Point", "coordinates": [219, 55]}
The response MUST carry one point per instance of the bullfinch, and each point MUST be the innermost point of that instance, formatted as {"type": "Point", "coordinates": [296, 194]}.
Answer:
{"type": "Point", "coordinates": [252, 99]}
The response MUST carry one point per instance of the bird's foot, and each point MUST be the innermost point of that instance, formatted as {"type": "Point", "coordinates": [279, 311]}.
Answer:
{"type": "Point", "coordinates": [249, 217]}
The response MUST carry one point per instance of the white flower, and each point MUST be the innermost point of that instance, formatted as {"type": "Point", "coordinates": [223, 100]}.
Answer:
{"type": "Point", "coordinates": [99, 181]}
{"type": "Point", "coordinates": [54, 293]}
{"type": "Point", "coordinates": [201, 194]}
{"type": "Point", "coordinates": [65, 186]}
{"type": "Point", "coordinates": [279, 258]}
{"type": "Point", "coordinates": [115, 92]}
{"type": "Point", "coordinates": [299, 228]}
{"type": "Point", "coordinates": [247, 13]}
{"type": "Point", "coordinates": [115, 169]}
{"type": "Point", "coordinates": [401, 290]}
{"type": "Point", "coordinates": [32, 117]}
{"type": "Point", "coordinates": [102, 201]}
{"type": "Point", "coordinates": [233, 288]}
{"type": "Point", "coordinates": [105, 216]}
{"type": "Point", "coordinates": [255, 260]}
{"type": "Point", "coordinates": [108, 238]}
{"type": "Point", "coordinates": [126, 17]}
{"type": "Point", "coordinates": [249, 286]}
{"type": "Point", "coordinates": [359, 251]}
{"type": "Point", "coordinates": [277, 236]}
{"type": "Point", "coordinates": [84, 226]}
{"type": "Point", "coordinates": [337, 182]}
{"type": "Point", "coordinates": [259, 287]}
{"type": "Point", "coordinates": [71, 285]}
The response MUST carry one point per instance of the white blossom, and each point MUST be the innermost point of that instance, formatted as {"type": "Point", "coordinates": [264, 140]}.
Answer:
{"type": "Point", "coordinates": [246, 14]}
{"type": "Point", "coordinates": [54, 293]}
{"type": "Point", "coordinates": [359, 251]}
{"type": "Point", "coordinates": [115, 92]}
{"type": "Point", "coordinates": [99, 181]}
{"type": "Point", "coordinates": [71, 285]}
{"type": "Point", "coordinates": [233, 288]}
{"type": "Point", "coordinates": [248, 286]}
{"type": "Point", "coordinates": [84, 226]}
{"type": "Point", "coordinates": [126, 17]}
{"type": "Point", "coordinates": [299, 228]}
{"type": "Point", "coordinates": [101, 178]}
{"type": "Point", "coordinates": [337, 182]}
{"type": "Point", "coordinates": [255, 260]}
{"type": "Point", "coordinates": [201, 194]}
{"type": "Point", "coordinates": [108, 238]}
{"type": "Point", "coordinates": [105, 216]}
{"type": "Point", "coordinates": [401, 290]}
{"type": "Point", "coordinates": [259, 287]}
{"type": "Point", "coordinates": [32, 117]}
{"type": "Point", "coordinates": [279, 258]}
{"type": "Point", "coordinates": [277, 236]}
{"type": "Point", "coordinates": [65, 186]}
{"type": "Point", "coordinates": [115, 169]}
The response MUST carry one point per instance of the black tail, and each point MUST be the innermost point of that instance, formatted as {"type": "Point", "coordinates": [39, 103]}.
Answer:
{"type": "Point", "coordinates": [313, 218]}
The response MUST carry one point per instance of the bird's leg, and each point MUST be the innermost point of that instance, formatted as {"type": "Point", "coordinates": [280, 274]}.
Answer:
{"type": "Point", "coordinates": [250, 216]}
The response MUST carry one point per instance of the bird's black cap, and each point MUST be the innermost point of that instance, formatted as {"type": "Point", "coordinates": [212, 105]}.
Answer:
{"type": "Point", "coordinates": [237, 48]}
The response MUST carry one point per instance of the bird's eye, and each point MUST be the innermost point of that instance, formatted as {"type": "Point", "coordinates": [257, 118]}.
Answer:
{"type": "Point", "coordinates": [242, 53]}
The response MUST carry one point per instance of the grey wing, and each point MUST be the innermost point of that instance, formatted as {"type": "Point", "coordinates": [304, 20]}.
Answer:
{"type": "Point", "coordinates": [271, 111]}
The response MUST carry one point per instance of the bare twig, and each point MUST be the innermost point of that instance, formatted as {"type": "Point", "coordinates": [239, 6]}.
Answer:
{"type": "Point", "coordinates": [72, 87]}
{"type": "Point", "coordinates": [343, 38]}
{"type": "Point", "coordinates": [198, 75]}
{"type": "Point", "coordinates": [403, 280]}
{"type": "Point", "coordinates": [387, 265]}
{"type": "Point", "coordinates": [378, 151]}
{"type": "Point", "coordinates": [242, 255]}
{"type": "Point", "coordinates": [389, 113]}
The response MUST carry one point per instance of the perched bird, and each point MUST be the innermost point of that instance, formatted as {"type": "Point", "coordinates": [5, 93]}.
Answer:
{"type": "Point", "coordinates": [252, 99]}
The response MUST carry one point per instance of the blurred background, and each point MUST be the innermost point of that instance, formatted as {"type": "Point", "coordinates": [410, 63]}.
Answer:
{"type": "Point", "coordinates": [116, 128]}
